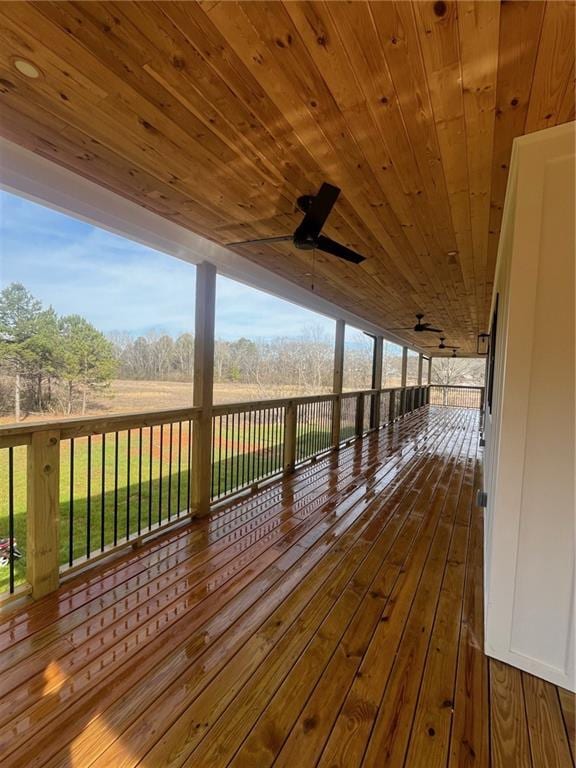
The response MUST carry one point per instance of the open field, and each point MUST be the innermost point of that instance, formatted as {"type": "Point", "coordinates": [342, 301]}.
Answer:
{"type": "Point", "coordinates": [131, 396]}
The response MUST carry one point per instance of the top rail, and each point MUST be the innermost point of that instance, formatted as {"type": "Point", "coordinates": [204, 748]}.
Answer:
{"type": "Point", "coordinates": [20, 434]}
{"type": "Point", "coordinates": [12, 435]}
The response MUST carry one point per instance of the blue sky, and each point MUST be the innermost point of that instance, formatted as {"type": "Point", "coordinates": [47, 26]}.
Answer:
{"type": "Point", "coordinates": [119, 285]}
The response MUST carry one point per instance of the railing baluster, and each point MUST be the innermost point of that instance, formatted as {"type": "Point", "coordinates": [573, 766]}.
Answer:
{"type": "Point", "coordinates": [160, 473]}
{"type": "Point", "coordinates": [89, 496]}
{"type": "Point", "coordinates": [116, 451]}
{"type": "Point", "coordinates": [11, 553]}
{"type": "Point", "coordinates": [139, 481]}
{"type": "Point", "coordinates": [128, 457]}
{"type": "Point", "coordinates": [71, 507]}
{"type": "Point", "coordinates": [219, 487]}
{"type": "Point", "coordinates": [170, 438]}
{"type": "Point", "coordinates": [237, 480]}
{"type": "Point", "coordinates": [150, 477]}
{"type": "Point", "coordinates": [189, 466]}
{"type": "Point", "coordinates": [213, 468]}
{"type": "Point", "coordinates": [103, 495]}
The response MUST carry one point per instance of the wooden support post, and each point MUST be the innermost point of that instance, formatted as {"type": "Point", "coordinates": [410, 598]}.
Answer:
{"type": "Point", "coordinates": [420, 364]}
{"type": "Point", "coordinates": [376, 381]}
{"type": "Point", "coordinates": [430, 370]}
{"type": "Point", "coordinates": [403, 380]}
{"type": "Point", "coordinates": [290, 418]}
{"type": "Point", "coordinates": [359, 415]}
{"type": "Point", "coordinates": [43, 513]}
{"type": "Point", "coordinates": [392, 407]}
{"type": "Point", "coordinates": [203, 388]}
{"type": "Point", "coordinates": [338, 380]}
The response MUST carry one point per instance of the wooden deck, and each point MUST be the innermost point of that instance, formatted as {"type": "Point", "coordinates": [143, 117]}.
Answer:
{"type": "Point", "coordinates": [331, 620]}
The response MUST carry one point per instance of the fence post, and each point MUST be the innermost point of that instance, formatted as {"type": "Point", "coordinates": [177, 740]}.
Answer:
{"type": "Point", "coordinates": [337, 381]}
{"type": "Point", "coordinates": [43, 513]}
{"type": "Point", "coordinates": [359, 415]}
{"type": "Point", "coordinates": [202, 395]}
{"type": "Point", "coordinates": [290, 418]}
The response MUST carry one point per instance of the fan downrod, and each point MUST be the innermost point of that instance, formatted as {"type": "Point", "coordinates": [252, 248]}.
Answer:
{"type": "Point", "coordinates": [304, 202]}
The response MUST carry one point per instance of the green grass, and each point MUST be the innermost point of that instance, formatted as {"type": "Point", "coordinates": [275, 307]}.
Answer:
{"type": "Point", "coordinates": [163, 492]}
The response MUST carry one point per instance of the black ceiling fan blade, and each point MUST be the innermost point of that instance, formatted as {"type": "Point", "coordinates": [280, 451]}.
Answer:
{"type": "Point", "coordinates": [319, 210]}
{"type": "Point", "coordinates": [337, 249]}
{"type": "Point", "coordinates": [279, 239]}
{"type": "Point", "coordinates": [407, 328]}
{"type": "Point", "coordinates": [432, 330]}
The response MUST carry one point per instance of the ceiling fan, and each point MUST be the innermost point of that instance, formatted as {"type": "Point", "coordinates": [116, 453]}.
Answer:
{"type": "Point", "coordinates": [420, 327]}
{"type": "Point", "coordinates": [316, 209]}
{"type": "Point", "coordinates": [441, 345]}
{"type": "Point", "coordinates": [454, 352]}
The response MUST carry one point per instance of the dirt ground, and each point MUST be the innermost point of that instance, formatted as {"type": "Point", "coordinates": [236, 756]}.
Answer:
{"type": "Point", "coordinates": [124, 396]}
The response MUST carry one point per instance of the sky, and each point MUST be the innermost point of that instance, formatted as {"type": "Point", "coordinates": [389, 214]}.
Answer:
{"type": "Point", "coordinates": [122, 286]}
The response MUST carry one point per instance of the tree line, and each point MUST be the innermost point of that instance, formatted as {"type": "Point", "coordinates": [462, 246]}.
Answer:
{"type": "Point", "coordinates": [47, 361]}
{"type": "Point", "coordinates": [303, 363]}
{"type": "Point", "coordinates": [54, 363]}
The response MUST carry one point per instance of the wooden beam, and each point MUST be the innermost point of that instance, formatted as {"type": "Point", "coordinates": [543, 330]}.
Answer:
{"type": "Point", "coordinates": [203, 387]}
{"type": "Point", "coordinates": [338, 379]}
{"type": "Point", "coordinates": [420, 363]}
{"type": "Point", "coordinates": [429, 370]}
{"type": "Point", "coordinates": [43, 513]}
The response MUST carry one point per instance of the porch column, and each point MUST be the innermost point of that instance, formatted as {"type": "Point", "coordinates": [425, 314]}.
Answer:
{"type": "Point", "coordinates": [429, 379]}
{"type": "Point", "coordinates": [403, 380]}
{"type": "Point", "coordinates": [203, 387]}
{"type": "Point", "coordinates": [420, 364]}
{"type": "Point", "coordinates": [376, 380]}
{"type": "Point", "coordinates": [338, 378]}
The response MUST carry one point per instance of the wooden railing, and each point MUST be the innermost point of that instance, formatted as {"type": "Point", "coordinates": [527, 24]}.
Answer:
{"type": "Point", "coordinates": [457, 396]}
{"type": "Point", "coordinates": [73, 491]}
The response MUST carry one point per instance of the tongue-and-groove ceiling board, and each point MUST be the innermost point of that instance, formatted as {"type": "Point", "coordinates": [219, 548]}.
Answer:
{"type": "Point", "coordinates": [219, 115]}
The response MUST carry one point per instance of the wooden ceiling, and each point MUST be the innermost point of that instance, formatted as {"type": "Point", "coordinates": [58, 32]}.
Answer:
{"type": "Point", "coordinates": [218, 115]}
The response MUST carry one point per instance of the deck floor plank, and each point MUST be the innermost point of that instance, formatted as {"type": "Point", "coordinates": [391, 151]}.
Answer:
{"type": "Point", "coordinates": [331, 619]}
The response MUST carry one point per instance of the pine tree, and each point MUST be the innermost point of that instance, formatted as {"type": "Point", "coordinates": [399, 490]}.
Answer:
{"type": "Point", "coordinates": [87, 357]}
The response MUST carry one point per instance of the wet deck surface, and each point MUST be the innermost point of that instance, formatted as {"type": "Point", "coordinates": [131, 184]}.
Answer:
{"type": "Point", "coordinates": [334, 619]}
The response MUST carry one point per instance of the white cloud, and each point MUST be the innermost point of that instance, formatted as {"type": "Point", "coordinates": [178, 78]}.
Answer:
{"type": "Point", "coordinates": [119, 285]}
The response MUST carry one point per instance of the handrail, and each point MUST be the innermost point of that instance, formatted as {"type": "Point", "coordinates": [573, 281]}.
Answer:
{"type": "Point", "coordinates": [93, 425]}
{"type": "Point", "coordinates": [456, 395]}
{"type": "Point", "coordinates": [457, 386]}
{"type": "Point", "coordinates": [89, 485]}
{"type": "Point", "coordinates": [223, 408]}
{"type": "Point", "coordinates": [74, 426]}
